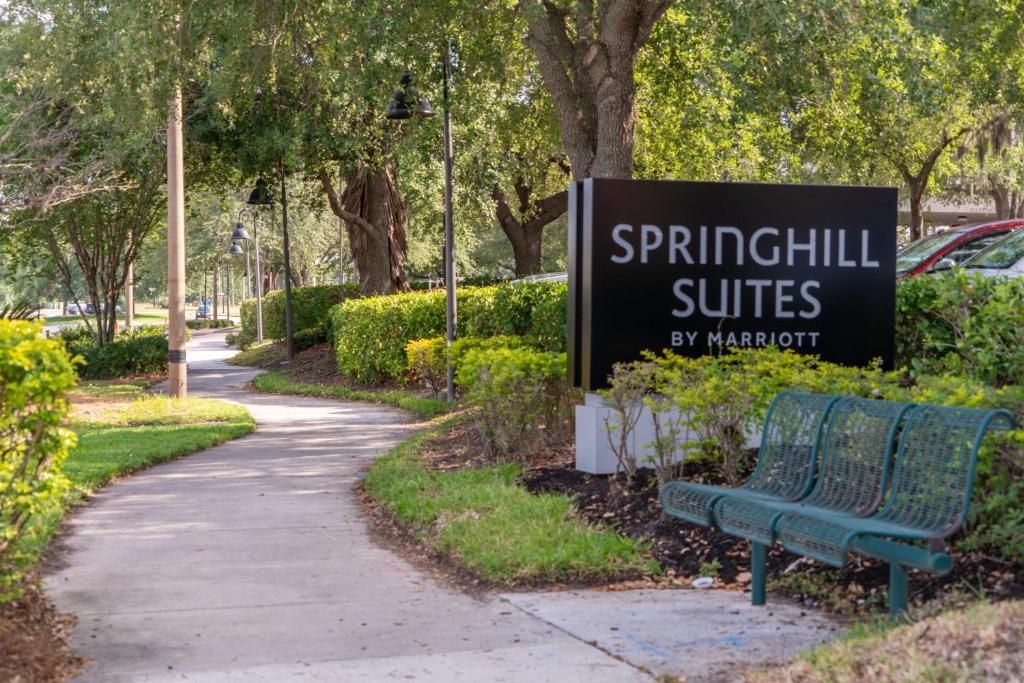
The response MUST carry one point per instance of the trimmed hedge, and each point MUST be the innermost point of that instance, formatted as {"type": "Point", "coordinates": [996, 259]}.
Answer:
{"type": "Point", "coordinates": [208, 324]}
{"type": "Point", "coordinates": [371, 334]}
{"type": "Point", "coordinates": [310, 308]}
{"type": "Point", "coordinates": [140, 351]}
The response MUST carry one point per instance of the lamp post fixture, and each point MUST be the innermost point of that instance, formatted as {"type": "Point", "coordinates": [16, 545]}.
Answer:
{"type": "Point", "coordinates": [260, 196]}
{"type": "Point", "coordinates": [403, 103]}
{"type": "Point", "coordinates": [241, 235]}
{"type": "Point", "coordinates": [289, 330]}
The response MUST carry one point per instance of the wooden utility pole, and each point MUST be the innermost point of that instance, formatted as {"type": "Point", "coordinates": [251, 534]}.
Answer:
{"type": "Point", "coordinates": [178, 370]}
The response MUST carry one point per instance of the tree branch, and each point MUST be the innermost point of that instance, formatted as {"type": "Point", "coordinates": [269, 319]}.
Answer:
{"type": "Point", "coordinates": [339, 210]}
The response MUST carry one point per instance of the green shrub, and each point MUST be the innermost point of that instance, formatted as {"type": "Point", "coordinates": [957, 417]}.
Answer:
{"type": "Point", "coordinates": [208, 324]}
{"type": "Point", "coordinates": [428, 361]}
{"type": "Point", "coordinates": [370, 335]}
{"type": "Point", "coordinates": [522, 398]}
{"type": "Point", "coordinates": [310, 337]}
{"type": "Point", "coordinates": [35, 373]}
{"type": "Point", "coordinates": [727, 396]}
{"type": "Point", "coordinates": [310, 307]}
{"type": "Point", "coordinates": [463, 345]}
{"type": "Point", "coordinates": [140, 351]}
{"type": "Point", "coordinates": [531, 309]}
{"type": "Point", "coordinates": [962, 323]}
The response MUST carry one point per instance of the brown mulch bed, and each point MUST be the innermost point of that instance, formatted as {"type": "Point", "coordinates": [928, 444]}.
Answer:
{"type": "Point", "coordinates": [34, 641]}
{"type": "Point", "coordinates": [315, 365]}
{"type": "Point", "coordinates": [318, 365]}
{"type": "Point", "coordinates": [686, 549]}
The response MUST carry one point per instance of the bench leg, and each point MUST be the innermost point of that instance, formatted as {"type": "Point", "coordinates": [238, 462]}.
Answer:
{"type": "Point", "coordinates": [897, 590]}
{"type": "Point", "coordinates": [758, 570]}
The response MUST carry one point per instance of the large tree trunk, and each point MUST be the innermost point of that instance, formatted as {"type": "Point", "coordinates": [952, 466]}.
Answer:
{"type": "Point", "coordinates": [587, 57]}
{"type": "Point", "coordinates": [371, 208]}
{"type": "Point", "coordinates": [1006, 204]}
{"type": "Point", "coordinates": [916, 187]}
{"type": "Point", "coordinates": [527, 236]}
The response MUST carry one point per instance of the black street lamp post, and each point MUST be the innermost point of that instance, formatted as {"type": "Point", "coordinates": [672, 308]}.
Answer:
{"type": "Point", "coordinates": [287, 270]}
{"type": "Point", "coordinates": [241, 235]}
{"type": "Point", "coordinates": [404, 102]}
{"type": "Point", "coordinates": [260, 196]}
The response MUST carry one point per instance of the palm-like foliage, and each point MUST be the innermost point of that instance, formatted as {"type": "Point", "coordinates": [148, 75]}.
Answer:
{"type": "Point", "coordinates": [19, 310]}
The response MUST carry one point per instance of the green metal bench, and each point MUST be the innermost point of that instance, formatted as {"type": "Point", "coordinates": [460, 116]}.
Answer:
{"type": "Point", "coordinates": [785, 463]}
{"type": "Point", "coordinates": [928, 501]}
{"type": "Point", "coordinates": [855, 455]}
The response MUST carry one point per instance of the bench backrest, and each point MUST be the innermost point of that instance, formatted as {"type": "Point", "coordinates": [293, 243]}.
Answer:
{"type": "Point", "coordinates": [859, 442]}
{"type": "Point", "coordinates": [935, 466]}
{"type": "Point", "coordinates": [790, 440]}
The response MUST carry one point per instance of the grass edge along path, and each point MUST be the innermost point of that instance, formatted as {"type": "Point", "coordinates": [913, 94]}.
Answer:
{"type": "Point", "coordinates": [278, 382]}
{"type": "Point", "coordinates": [483, 520]}
{"type": "Point", "coordinates": [135, 436]}
{"type": "Point", "coordinates": [980, 641]}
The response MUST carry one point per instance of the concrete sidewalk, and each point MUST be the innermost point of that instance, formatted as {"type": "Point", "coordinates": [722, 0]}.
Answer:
{"type": "Point", "coordinates": [251, 561]}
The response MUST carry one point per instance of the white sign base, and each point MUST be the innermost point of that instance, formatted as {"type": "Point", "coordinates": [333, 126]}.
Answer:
{"type": "Point", "coordinates": [594, 453]}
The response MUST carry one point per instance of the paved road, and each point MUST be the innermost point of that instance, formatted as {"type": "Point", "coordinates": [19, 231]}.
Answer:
{"type": "Point", "coordinates": [251, 562]}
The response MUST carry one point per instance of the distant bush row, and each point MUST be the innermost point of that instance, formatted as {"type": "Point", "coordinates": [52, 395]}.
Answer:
{"type": "Point", "coordinates": [310, 309]}
{"type": "Point", "coordinates": [207, 324]}
{"type": "Point", "coordinates": [139, 351]}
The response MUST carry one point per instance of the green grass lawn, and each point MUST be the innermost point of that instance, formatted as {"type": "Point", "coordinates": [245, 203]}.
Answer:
{"type": "Point", "coordinates": [980, 642]}
{"type": "Point", "coordinates": [484, 520]}
{"type": "Point", "coordinates": [279, 383]}
{"type": "Point", "coordinates": [118, 436]}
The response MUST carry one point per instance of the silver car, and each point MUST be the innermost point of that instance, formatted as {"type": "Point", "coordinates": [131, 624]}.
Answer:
{"type": "Point", "coordinates": [1002, 258]}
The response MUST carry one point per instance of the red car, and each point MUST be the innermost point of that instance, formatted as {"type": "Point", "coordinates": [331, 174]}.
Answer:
{"type": "Point", "coordinates": [949, 248]}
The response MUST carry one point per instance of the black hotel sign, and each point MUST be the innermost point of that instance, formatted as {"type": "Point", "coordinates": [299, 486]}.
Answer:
{"type": "Point", "coordinates": [696, 267]}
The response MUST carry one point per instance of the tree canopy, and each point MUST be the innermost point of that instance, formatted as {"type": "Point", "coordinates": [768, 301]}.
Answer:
{"type": "Point", "coordinates": [922, 94]}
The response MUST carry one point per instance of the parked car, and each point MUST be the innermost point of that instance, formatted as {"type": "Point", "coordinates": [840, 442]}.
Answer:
{"type": "Point", "coordinates": [1002, 258]}
{"type": "Point", "coordinates": [543, 277]}
{"type": "Point", "coordinates": [75, 309]}
{"type": "Point", "coordinates": [943, 250]}
{"type": "Point", "coordinates": [202, 312]}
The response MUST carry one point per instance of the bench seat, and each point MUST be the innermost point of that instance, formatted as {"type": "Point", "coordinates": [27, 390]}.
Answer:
{"type": "Point", "coordinates": [785, 463]}
{"type": "Point", "coordinates": [855, 453]}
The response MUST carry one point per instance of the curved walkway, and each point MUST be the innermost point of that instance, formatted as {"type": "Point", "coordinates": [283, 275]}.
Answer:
{"type": "Point", "coordinates": [251, 562]}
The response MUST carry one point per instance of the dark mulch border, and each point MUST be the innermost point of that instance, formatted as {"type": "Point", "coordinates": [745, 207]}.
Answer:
{"type": "Point", "coordinates": [34, 641]}
{"type": "Point", "coordinates": [684, 549]}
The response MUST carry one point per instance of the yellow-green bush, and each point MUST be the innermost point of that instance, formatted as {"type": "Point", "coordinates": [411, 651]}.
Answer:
{"type": "Point", "coordinates": [727, 396]}
{"type": "Point", "coordinates": [371, 334]}
{"type": "Point", "coordinates": [35, 373]}
{"type": "Point", "coordinates": [522, 397]}
{"type": "Point", "coordinates": [428, 361]}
